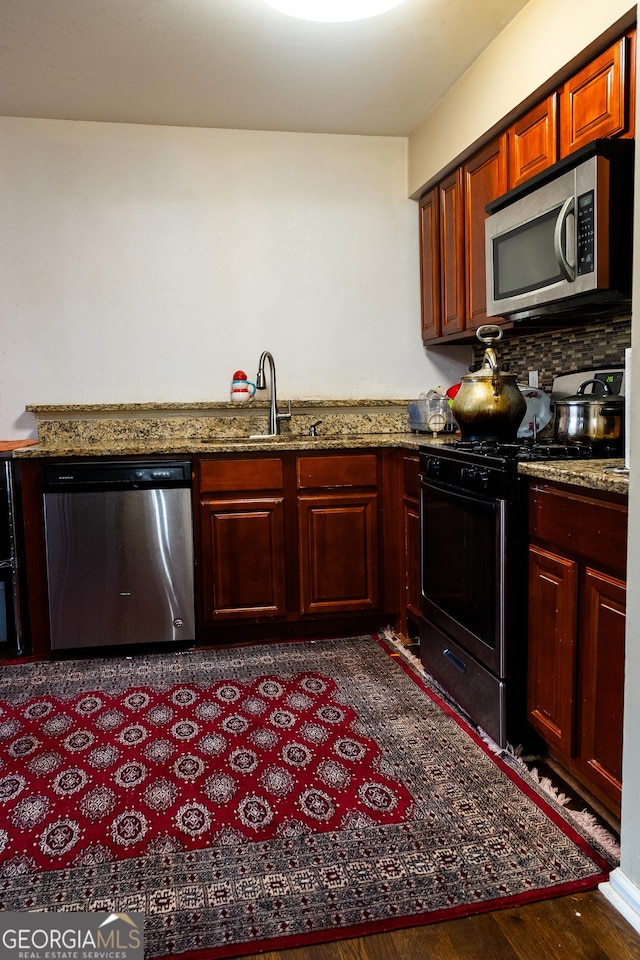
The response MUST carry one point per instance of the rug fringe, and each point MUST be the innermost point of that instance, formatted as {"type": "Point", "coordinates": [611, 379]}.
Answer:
{"type": "Point", "coordinates": [585, 822]}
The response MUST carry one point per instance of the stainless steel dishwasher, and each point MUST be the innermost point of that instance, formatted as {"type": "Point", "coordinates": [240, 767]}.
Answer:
{"type": "Point", "coordinates": [119, 545]}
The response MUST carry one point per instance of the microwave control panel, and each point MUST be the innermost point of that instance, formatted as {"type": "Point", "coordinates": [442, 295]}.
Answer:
{"type": "Point", "coordinates": [585, 233]}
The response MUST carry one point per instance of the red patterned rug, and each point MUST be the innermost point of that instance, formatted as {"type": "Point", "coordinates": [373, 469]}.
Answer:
{"type": "Point", "coordinates": [264, 797]}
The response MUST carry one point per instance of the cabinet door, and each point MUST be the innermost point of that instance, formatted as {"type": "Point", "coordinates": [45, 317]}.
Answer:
{"type": "Point", "coordinates": [602, 640]}
{"type": "Point", "coordinates": [452, 253]}
{"type": "Point", "coordinates": [430, 265]}
{"type": "Point", "coordinates": [533, 141]}
{"type": "Point", "coordinates": [338, 552]}
{"type": "Point", "coordinates": [243, 566]}
{"type": "Point", "coordinates": [594, 102]}
{"type": "Point", "coordinates": [485, 179]}
{"type": "Point", "coordinates": [553, 598]}
{"type": "Point", "coordinates": [410, 599]}
{"type": "Point", "coordinates": [411, 536]}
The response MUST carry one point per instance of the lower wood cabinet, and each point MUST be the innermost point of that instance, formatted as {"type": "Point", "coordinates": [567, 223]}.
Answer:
{"type": "Point", "coordinates": [338, 537]}
{"type": "Point", "coordinates": [289, 537]}
{"type": "Point", "coordinates": [409, 615]}
{"type": "Point", "coordinates": [577, 564]}
{"type": "Point", "coordinates": [242, 544]}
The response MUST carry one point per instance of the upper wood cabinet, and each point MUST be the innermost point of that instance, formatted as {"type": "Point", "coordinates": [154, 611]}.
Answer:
{"type": "Point", "coordinates": [452, 253]}
{"type": "Point", "coordinates": [484, 179]}
{"type": "Point", "coordinates": [453, 276]}
{"type": "Point", "coordinates": [430, 265]}
{"type": "Point", "coordinates": [533, 141]}
{"type": "Point", "coordinates": [595, 102]}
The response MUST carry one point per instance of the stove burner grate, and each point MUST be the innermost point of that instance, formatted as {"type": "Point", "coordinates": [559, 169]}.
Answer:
{"type": "Point", "coordinates": [536, 450]}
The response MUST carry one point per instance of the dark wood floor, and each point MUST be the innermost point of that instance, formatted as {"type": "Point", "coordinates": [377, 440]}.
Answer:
{"type": "Point", "coordinates": [580, 927]}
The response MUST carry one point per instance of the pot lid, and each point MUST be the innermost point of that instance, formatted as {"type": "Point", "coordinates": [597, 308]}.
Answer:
{"type": "Point", "coordinates": [604, 395]}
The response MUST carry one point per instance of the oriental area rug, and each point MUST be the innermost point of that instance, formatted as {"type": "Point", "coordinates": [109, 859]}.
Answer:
{"type": "Point", "coordinates": [264, 797]}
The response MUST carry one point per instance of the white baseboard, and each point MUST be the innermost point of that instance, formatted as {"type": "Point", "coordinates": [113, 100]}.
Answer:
{"type": "Point", "coordinates": [624, 895]}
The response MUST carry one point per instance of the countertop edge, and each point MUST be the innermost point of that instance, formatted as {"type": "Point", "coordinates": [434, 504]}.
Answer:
{"type": "Point", "coordinates": [590, 474]}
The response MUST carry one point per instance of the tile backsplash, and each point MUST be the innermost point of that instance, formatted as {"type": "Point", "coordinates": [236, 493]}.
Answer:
{"type": "Point", "coordinates": [551, 352]}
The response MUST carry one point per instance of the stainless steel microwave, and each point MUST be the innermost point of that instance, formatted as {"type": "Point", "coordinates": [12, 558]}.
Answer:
{"type": "Point", "coordinates": [561, 243]}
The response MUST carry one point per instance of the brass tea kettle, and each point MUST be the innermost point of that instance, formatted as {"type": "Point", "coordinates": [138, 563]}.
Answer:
{"type": "Point", "coordinates": [489, 404]}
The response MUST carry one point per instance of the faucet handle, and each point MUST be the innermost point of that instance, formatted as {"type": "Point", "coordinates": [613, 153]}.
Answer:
{"type": "Point", "coordinates": [287, 415]}
{"type": "Point", "coordinates": [313, 429]}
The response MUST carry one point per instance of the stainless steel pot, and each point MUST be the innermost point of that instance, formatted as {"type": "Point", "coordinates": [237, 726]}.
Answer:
{"type": "Point", "coordinates": [489, 404]}
{"type": "Point", "coordinates": [590, 417]}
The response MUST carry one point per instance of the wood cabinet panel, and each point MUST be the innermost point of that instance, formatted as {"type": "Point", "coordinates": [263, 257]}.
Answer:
{"type": "Point", "coordinates": [337, 470]}
{"type": "Point", "coordinates": [602, 680]}
{"type": "Point", "coordinates": [594, 101]}
{"type": "Point", "coordinates": [577, 632]}
{"type": "Point", "coordinates": [584, 525]}
{"type": "Point", "coordinates": [411, 540]}
{"type": "Point", "coordinates": [243, 558]}
{"type": "Point", "coordinates": [338, 552]}
{"type": "Point", "coordinates": [429, 213]}
{"type": "Point", "coordinates": [452, 253]}
{"type": "Point", "coordinates": [532, 141]}
{"type": "Point", "coordinates": [226, 475]}
{"type": "Point", "coordinates": [484, 179]}
{"type": "Point", "coordinates": [553, 586]}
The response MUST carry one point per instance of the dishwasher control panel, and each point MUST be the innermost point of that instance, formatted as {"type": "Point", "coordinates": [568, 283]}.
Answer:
{"type": "Point", "coordinates": [103, 474]}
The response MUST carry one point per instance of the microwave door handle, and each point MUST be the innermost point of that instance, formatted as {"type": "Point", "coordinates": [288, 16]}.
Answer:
{"type": "Point", "coordinates": [567, 271]}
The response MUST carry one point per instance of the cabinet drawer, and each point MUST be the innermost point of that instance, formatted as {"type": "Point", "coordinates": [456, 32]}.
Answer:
{"type": "Point", "coordinates": [584, 526]}
{"type": "Point", "coordinates": [338, 471]}
{"type": "Point", "coordinates": [226, 475]}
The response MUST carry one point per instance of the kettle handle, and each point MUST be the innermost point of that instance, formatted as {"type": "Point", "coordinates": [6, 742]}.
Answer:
{"type": "Point", "coordinates": [489, 333]}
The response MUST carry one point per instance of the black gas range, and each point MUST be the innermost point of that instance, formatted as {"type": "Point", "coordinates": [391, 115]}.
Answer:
{"type": "Point", "coordinates": [473, 516]}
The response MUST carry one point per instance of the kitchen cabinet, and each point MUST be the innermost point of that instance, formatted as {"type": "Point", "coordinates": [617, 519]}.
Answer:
{"type": "Point", "coordinates": [430, 265]}
{"type": "Point", "coordinates": [485, 179]}
{"type": "Point", "coordinates": [577, 564]}
{"type": "Point", "coordinates": [533, 141]}
{"type": "Point", "coordinates": [596, 101]}
{"type": "Point", "coordinates": [453, 272]}
{"type": "Point", "coordinates": [338, 536]}
{"type": "Point", "coordinates": [409, 616]}
{"type": "Point", "coordinates": [288, 538]}
{"type": "Point", "coordinates": [452, 281]}
{"type": "Point", "coordinates": [242, 538]}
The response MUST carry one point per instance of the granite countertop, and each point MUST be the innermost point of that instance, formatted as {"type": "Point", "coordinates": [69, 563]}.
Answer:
{"type": "Point", "coordinates": [590, 474]}
{"type": "Point", "coordinates": [215, 445]}
{"type": "Point", "coordinates": [210, 429]}
{"type": "Point", "coordinates": [593, 474]}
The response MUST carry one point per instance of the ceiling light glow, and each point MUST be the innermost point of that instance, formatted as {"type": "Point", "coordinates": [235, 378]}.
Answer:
{"type": "Point", "coordinates": [333, 11]}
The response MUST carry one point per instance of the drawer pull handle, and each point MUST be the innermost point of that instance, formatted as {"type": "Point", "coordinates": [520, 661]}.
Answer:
{"type": "Point", "coordinates": [456, 661]}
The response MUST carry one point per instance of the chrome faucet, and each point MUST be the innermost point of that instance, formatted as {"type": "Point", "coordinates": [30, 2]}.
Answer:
{"type": "Point", "coordinates": [274, 416]}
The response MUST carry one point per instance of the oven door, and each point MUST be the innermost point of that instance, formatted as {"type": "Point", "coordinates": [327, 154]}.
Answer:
{"type": "Point", "coordinates": [463, 569]}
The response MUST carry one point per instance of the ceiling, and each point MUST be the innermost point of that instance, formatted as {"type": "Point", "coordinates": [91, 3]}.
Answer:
{"type": "Point", "coordinates": [237, 63]}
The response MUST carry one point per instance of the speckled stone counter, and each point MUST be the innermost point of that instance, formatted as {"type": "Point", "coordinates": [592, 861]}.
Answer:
{"type": "Point", "coordinates": [592, 474]}
{"type": "Point", "coordinates": [163, 429]}
{"type": "Point", "coordinates": [145, 429]}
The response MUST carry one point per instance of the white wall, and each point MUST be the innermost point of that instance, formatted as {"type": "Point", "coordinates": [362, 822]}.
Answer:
{"type": "Point", "coordinates": [144, 263]}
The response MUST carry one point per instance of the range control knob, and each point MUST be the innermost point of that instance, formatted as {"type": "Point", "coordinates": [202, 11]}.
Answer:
{"type": "Point", "coordinates": [433, 467]}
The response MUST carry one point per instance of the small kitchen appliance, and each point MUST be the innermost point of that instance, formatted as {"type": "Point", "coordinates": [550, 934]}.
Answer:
{"type": "Point", "coordinates": [561, 243]}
